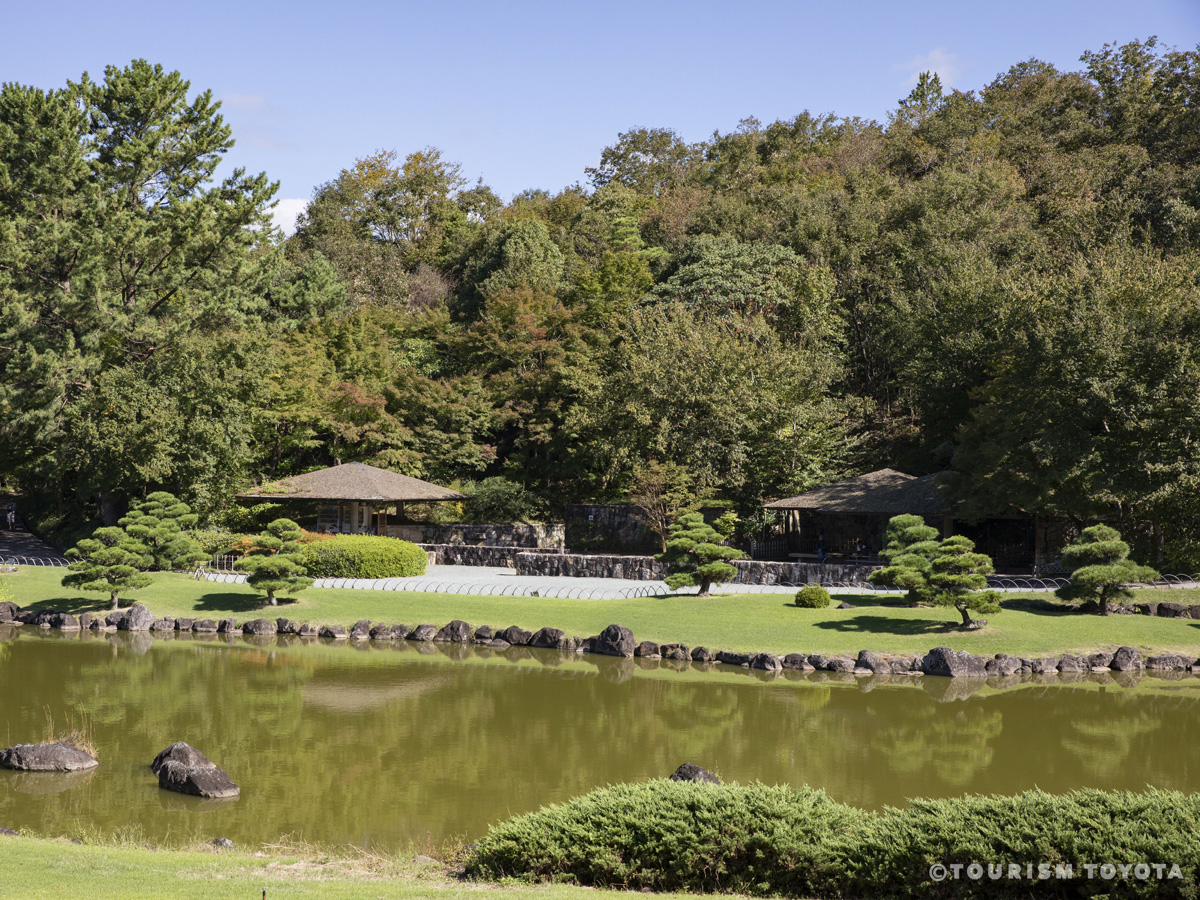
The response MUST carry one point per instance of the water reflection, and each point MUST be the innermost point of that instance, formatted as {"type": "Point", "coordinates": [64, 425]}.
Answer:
{"type": "Point", "coordinates": [401, 743]}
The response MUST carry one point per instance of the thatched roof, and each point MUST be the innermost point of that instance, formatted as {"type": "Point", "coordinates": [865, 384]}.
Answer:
{"type": "Point", "coordinates": [352, 481]}
{"type": "Point", "coordinates": [886, 492]}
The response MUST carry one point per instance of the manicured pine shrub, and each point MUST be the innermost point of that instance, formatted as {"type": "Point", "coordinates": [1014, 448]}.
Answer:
{"type": "Point", "coordinates": [364, 556]}
{"type": "Point", "coordinates": [812, 596]}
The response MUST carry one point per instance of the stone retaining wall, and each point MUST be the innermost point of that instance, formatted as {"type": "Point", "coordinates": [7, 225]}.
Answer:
{"type": "Point", "coordinates": [647, 568]}
{"type": "Point", "coordinates": [467, 555]}
{"type": "Point", "coordinates": [533, 535]}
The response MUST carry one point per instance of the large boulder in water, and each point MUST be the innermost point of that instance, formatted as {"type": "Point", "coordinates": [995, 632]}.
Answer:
{"type": "Point", "coordinates": [1126, 659]}
{"type": "Point", "coordinates": [615, 640]}
{"type": "Point", "coordinates": [550, 639]}
{"type": "Point", "coordinates": [184, 769]}
{"type": "Point", "coordinates": [8, 611]}
{"type": "Point", "coordinates": [954, 663]}
{"type": "Point", "coordinates": [260, 626]}
{"type": "Point", "coordinates": [136, 618]}
{"type": "Point", "coordinates": [456, 632]}
{"type": "Point", "coordinates": [692, 772]}
{"type": "Point", "coordinates": [515, 635]}
{"type": "Point", "coordinates": [46, 758]}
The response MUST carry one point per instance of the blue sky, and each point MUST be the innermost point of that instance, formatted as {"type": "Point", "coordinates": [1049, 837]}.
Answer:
{"type": "Point", "coordinates": [527, 94]}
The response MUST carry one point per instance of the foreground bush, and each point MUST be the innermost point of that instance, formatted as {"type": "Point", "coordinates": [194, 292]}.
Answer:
{"type": "Point", "coordinates": [812, 596]}
{"type": "Point", "coordinates": [364, 556]}
{"type": "Point", "coordinates": [672, 836]}
{"type": "Point", "coordinates": [754, 839]}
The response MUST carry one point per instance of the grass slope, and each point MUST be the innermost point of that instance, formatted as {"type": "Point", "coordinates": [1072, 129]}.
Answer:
{"type": "Point", "coordinates": [1028, 626]}
{"type": "Point", "coordinates": [40, 868]}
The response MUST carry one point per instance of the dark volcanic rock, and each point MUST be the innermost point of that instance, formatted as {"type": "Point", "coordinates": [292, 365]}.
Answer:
{"type": "Point", "coordinates": [615, 640]}
{"type": "Point", "coordinates": [518, 637]}
{"type": "Point", "coordinates": [166, 623]}
{"type": "Point", "coordinates": [204, 626]}
{"type": "Point", "coordinates": [1101, 660]}
{"type": "Point", "coordinates": [692, 772]}
{"type": "Point", "coordinates": [8, 611]}
{"type": "Point", "coordinates": [647, 649]}
{"type": "Point", "coordinates": [423, 633]}
{"type": "Point", "coordinates": [1173, 610]}
{"type": "Point", "coordinates": [308, 630]}
{"type": "Point", "coordinates": [64, 622]}
{"type": "Point", "coordinates": [334, 632]}
{"type": "Point", "coordinates": [818, 662]}
{"type": "Point", "coordinates": [1168, 663]}
{"type": "Point", "coordinates": [286, 626]}
{"type": "Point", "coordinates": [702, 655]}
{"type": "Point", "coordinates": [1072, 664]}
{"type": "Point", "coordinates": [678, 652]}
{"type": "Point", "coordinates": [797, 661]}
{"type": "Point", "coordinates": [767, 661]}
{"type": "Point", "coordinates": [954, 663]}
{"type": "Point", "coordinates": [1126, 659]}
{"type": "Point", "coordinates": [46, 758]}
{"type": "Point", "coordinates": [136, 618]}
{"type": "Point", "coordinates": [1044, 665]}
{"type": "Point", "coordinates": [185, 770]}
{"type": "Point", "coordinates": [382, 633]}
{"type": "Point", "coordinates": [185, 623]}
{"type": "Point", "coordinates": [845, 605]}
{"type": "Point", "coordinates": [361, 630]}
{"type": "Point", "coordinates": [498, 644]}
{"type": "Point", "coordinates": [872, 662]}
{"type": "Point", "coordinates": [484, 633]}
{"type": "Point", "coordinates": [227, 626]}
{"type": "Point", "coordinates": [456, 632]}
{"type": "Point", "coordinates": [839, 664]}
{"type": "Point", "coordinates": [259, 626]}
{"type": "Point", "coordinates": [400, 632]}
{"type": "Point", "coordinates": [904, 666]}
{"type": "Point", "coordinates": [86, 620]}
{"type": "Point", "coordinates": [550, 639]}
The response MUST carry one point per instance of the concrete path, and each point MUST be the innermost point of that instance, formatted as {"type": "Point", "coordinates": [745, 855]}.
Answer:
{"type": "Point", "coordinates": [23, 548]}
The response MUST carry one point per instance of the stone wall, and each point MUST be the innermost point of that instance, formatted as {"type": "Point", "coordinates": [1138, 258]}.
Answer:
{"type": "Point", "coordinates": [647, 568]}
{"type": "Point", "coordinates": [469, 555]}
{"type": "Point", "coordinates": [536, 535]}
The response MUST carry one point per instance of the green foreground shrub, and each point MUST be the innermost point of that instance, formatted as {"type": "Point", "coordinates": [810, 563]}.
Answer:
{"type": "Point", "coordinates": [754, 839]}
{"type": "Point", "coordinates": [812, 596]}
{"type": "Point", "coordinates": [364, 556]}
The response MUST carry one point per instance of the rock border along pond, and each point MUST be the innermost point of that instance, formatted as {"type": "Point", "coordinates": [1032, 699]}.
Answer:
{"type": "Point", "coordinates": [615, 640]}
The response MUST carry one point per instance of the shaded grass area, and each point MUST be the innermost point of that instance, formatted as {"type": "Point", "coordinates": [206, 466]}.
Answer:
{"type": "Point", "coordinates": [39, 868]}
{"type": "Point", "coordinates": [1030, 625]}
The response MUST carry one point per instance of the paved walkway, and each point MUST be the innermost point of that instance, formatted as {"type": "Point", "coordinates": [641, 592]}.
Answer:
{"type": "Point", "coordinates": [25, 549]}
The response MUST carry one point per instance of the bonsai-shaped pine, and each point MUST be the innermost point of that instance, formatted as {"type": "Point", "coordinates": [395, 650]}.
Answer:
{"type": "Point", "coordinates": [696, 556]}
{"type": "Point", "coordinates": [159, 522]}
{"type": "Point", "coordinates": [109, 562]}
{"type": "Point", "coordinates": [1101, 568]}
{"type": "Point", "coordinates": [958, 577]}
{"type": "Point", "coordinates": [275, 563]}
{"type": "Point", "coordinates": [911, 547]}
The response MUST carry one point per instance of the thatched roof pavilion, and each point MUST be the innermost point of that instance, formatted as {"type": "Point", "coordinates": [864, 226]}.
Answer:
{"type": "Point", "coordinates": [350, 485]}
{"type": "Point", "coordinates": [884, 492]}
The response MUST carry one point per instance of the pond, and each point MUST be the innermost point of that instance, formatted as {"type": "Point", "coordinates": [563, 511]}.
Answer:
{"type": "Point", "coordinates": [409, 746]}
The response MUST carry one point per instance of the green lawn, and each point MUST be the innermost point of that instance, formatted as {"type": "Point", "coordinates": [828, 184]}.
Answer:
{"type": "Point", "coordinates": [39, 868]}
{"type": "Point", "coordinates": [1026, 627]}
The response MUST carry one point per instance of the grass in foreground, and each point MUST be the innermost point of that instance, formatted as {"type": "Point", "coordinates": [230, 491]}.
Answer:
{"type": "Point", "coordinates": [1028, 626]}
{"type": "Point", "coordinates": [40, 868]}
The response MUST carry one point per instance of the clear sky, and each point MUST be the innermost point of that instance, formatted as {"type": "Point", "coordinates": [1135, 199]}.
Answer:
{"type": "Point", "coordinates": [527, 94]}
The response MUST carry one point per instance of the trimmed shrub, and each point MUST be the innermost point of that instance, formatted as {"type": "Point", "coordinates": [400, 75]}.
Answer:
{"type": "Point", "coordinates": [214, 542]}
{"type": "Point", "coordinates": [678, 836]}
{"type": "Point", "coordinates": [754, 839]}
{"type": "Point", "coordinates": [812, 596]}
{"type": "Point", "coordinates": [364, 556]}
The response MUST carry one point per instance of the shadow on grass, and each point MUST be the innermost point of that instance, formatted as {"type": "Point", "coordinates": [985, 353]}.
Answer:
{"type": "Point", "coordinates": [882, 625]}
{"type": "Point", "coordinates": [76, 605]}
{"type": "Point", "coordinates": [1039, 606]}
{"type": "Point", "coordinates": [236, 603]}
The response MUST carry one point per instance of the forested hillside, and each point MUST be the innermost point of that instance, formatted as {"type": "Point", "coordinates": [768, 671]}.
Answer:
{"type": "Point", "coordinates": [1003, 282]}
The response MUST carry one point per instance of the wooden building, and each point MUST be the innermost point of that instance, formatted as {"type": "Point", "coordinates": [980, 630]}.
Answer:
{"type": "Point", "coordinates": [354, 498]}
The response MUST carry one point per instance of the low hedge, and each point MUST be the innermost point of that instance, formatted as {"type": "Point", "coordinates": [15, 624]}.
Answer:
{"type": "Point", "coordinates": [364, 556]}
{"type": "Point", "coordinates": [812, 596]}
{"type": "Point", "coordinates": [754, 839]}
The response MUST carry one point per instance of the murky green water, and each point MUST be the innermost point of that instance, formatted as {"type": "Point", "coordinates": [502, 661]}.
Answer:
{"type": "Point", "coordinates": [400, 746]}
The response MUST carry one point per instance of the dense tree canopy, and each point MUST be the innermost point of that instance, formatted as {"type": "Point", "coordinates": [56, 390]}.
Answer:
{"type": "Point", "coordinates": [1003, 281]}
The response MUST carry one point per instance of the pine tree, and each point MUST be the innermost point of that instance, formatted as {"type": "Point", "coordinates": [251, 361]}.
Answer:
{"type": "Point", "coordinates": [1101, 568]}
{"type": "Point", "coordinates": [159, 522]}
{"type": "Point", "coordinates": [696, 556]}
{"type": "Point", "coordinates": [911, 547]}
{"type": "Point", "coordinates": [958, 576]}
{"type": "Point", "coordinates": [109, 562]}
{"type": "Point", "coordinates": [275, 563]}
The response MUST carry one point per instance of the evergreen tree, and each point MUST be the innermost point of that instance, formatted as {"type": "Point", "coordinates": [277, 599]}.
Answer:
{"type": "Point", "coordinates": [1101, 569]}
{"type": "Point", "coordinates": [911, 548]}
{"type": "Point", "coordinates": [695, 555]}
{"type": "Point", "coordinates": [159, 522]}
{"type": "Point", "coordinates": [275, 562]}
{"type": "Point", "coordinates": [958, 576]}
{"type": "Point", "coordinates": [109, 562]}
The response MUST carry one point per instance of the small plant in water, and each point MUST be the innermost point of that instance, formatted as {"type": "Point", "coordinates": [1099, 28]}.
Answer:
{"type": "Point", "coordinates": [77, 735]}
